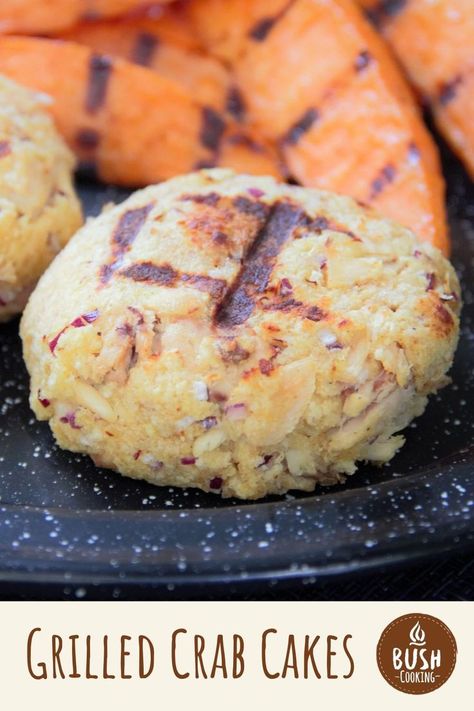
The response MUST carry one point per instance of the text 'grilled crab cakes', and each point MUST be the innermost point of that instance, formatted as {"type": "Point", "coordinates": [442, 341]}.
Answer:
{"type": "Point", "coordinates": [39, 210]}
{"type": "Point", "coordinates": [239, 335]}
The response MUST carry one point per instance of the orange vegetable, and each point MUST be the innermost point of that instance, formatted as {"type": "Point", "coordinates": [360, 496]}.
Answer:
{"type": "Point", "coordinates": [44, 16]}
{"type": "Point", "coordinates": [316, 79]}
{"type": "Point", "coordinates": [228, 31]}
{"type": "Point", "coordinates": [129, 124]}
{"type": "Point", "coordinates": [434, 42]}
{"type": "Point", "coordinates": [156, 44]}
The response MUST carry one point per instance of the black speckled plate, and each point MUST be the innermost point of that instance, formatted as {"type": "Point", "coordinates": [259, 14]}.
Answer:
{"type": "Point", "coordinates": [63, 520]}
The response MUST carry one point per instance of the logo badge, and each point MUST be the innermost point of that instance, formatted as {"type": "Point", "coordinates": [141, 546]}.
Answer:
{"type": "Point", "coordinates": [416, 653]}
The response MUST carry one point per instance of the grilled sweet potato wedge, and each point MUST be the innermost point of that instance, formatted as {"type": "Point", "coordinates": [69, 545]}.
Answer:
{"type": "Point", "coordinates": [315, 78]}
{"type": "Point", "coordinates": [155, 44]}
{"type": "Point", "coordinates": [434, 42]}
{"type": "Point", "coordinates": [228, 34]}
{"type": "Point", "coordinates": [128, 124]}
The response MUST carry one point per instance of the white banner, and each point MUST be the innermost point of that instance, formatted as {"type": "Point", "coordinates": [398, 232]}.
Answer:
{"type": "Point", "coordinates": [227, 656]}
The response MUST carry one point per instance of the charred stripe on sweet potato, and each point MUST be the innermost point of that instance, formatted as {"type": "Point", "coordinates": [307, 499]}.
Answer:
{"type": "Point", "coordinates": [144, 48]}
{"type": "Point", "coordinates": [100, 68]}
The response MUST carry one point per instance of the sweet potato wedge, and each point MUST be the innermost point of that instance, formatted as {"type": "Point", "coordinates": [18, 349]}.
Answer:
{"type": "Point", "coordinates": [45, 16]}
{"type": "Point", "coordinates": [227, 34]}
{"type": "Point", "coordinates": [156, 44]}
{"type": "Point", "coordinates": [434, 42]}
{"type": "Point", "coordinates": [128, 124]}
{"type": "Point", "coordinates": [316, 79]}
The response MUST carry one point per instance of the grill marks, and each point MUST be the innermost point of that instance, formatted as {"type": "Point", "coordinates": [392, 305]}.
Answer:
{"type": "Point", "coordinates": [129, 226]}
{"type": "Point", "coordinates": [392, 7]}
{"type": "Point", "coordinates": [220, 130]}
{"type": "Point", "coordinates": [227, 222]}
{"type": "Point", "coordinates": [384, 178]}
{"type": "Point", "coordinates": [256, 209]}
{"type": "Point", "coordinates": [312, 115]}
{"type": "Point", "coordinates": [100, 70]}
{"type": "Point", "coordinates": [208, 199]}
{"type": "Point", "coordinates": [271, 226]}
{"type": "Point", "coordinates": [144, 49]}
{"type": "Point", "coordinates": [87, 139]}
{"type": "Point", "coordinates": [448, 90]}
{"type": "Point", "coordinates": [166, 275]}
{"type": "Point", "coordinates": [235, 104]}
{"type": "Point", "coordinates": [384, 10]}
{"type": "Point", "coordinates": [125, 233]}
{"type": "Point", "coordinates": [214, 287]}
{"type": "Point", "coordinates": [262, 28]}
{"type": "Point", "coordinates": [307, 120]}
{"type": "Point", "coordinates": [162, 274]}
{"type": "Point", "coordinates": [362, 61]}
{"type": "Point", "coordinates": [211, 133]}
{"type": "Point", "coordinates": [254, 276]}
{"type": "Point", "coordinates": [388, 174]}
{"type": "Point", "coordinates": [300, 127]}
{"type": "Point", "coordinates": [320, 223]}
{"type": "Point", "coordinates": [312, 313]}
{"type": "Point", "coordinates": [242, 139]}
{"type": "Point", "coordinates": [212, 129]}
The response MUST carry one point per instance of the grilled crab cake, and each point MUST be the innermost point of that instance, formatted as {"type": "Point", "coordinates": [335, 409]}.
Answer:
{"type": "Point", "coordinates": [39, 210]}
{"type": "Point", "coordinates": [242, 336]}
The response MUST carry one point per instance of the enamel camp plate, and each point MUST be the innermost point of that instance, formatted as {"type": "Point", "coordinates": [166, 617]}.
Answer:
{"type": "Point", "coordinates": [64, 521]}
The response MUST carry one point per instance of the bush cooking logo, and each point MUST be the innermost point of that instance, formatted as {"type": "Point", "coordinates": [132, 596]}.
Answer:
{"type": "Point", "coordinates": [416, 653]}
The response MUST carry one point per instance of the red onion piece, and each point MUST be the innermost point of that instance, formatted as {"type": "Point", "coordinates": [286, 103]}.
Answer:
{"type": "Point", "coordinates": [43, 400]}
{"type": "Point", "coordinates": [208, 422]}
{"type": "Point", "coordinates": [91, 316]}
{"type": "Point", "coordinates": [285, 287]}
{"type": "Point", "coordinates": [266, 459]}
{"type": "Point", "coordinates": [237, 411]}
{"type": "Point", "coordinates": [216, 483]}
{"type": "Point", "coordinates": [255, 192]}
{"type": "Point", "coordinates": [78, 322]}
{"type": "Point", "coordinates": [52, 344]}
{"type": "Point", "coordinates": [70, 419]}
{"type": "Point", "coordinates": [188, 460]}
{"type": "Point", "coordinates": [266, 366]}
{"type": "Point", "coordinates": [431, 281]}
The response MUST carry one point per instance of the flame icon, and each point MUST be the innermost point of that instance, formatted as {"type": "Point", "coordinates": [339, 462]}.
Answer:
{"type": "Point", "coordinates": [417, 636]}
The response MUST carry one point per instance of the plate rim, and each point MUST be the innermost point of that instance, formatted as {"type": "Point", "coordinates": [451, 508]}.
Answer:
{"type": "Point", "coordinates": [407, 539]}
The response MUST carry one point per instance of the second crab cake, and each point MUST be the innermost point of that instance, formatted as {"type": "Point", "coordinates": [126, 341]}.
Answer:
{"type": "Point", "coordinates": [39, 210]}
{"type": "Point", "coordinates": [239, 335]}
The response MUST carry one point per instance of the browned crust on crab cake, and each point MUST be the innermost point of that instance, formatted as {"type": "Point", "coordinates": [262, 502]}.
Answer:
{"type": "Point", "coordinates": [239, 335]}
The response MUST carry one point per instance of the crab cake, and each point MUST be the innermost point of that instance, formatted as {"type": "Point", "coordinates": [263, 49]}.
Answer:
{"type": "Point", "coordinates": [239, 335]}
{"type": "Point", "coordinates": [39, 210]}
